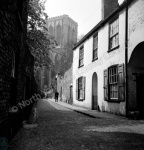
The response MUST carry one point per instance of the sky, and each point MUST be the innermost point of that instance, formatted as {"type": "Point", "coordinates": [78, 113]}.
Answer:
{"type": "Point", "coordinates": [87, 13]}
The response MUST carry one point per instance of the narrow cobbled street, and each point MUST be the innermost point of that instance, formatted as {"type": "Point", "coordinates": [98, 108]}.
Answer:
{"type": "Point", "coordinates": [60, 128]}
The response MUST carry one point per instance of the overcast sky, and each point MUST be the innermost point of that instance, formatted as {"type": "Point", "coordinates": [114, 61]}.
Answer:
{"type": "Point", "coordinates": [87, 13]}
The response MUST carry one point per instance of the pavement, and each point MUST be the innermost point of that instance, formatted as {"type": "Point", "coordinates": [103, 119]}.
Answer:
{"type": "Point", "coordinates": [92, 113]}
{"type": "Point", "coordinates": [61, 126]}
{"type": "Point", "coordinates": [125, 124]}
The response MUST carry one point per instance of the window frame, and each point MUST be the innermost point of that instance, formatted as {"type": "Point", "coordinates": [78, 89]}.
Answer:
{"type": "Point", "coordinates": [95, 48]}
{"type": "Point", "coordinates": [80, 88]}
{"type": "Point", "coordinates": [120, 84]}
{"type": "Point", "coordinates": [111, 83]}
{"type": "Point", "coordinates": [112, 21]}
{"type": "Point", "coordinates": [81, 56]}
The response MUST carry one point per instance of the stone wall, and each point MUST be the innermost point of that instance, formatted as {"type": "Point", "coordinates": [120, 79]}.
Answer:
{"type": "Point", "coordinates": [63, 86]}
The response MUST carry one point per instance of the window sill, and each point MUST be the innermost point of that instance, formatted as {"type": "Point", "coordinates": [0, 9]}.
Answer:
{"type": "Point", "coordinates": [80, 66]}
{"type": "Point", "coordinates": [114, 100]}
{"type": "Point", "coordinates": [95, 59]}
{"type": "Point", "coordinates": [80, 99]}
{"type": "Point", "coordinates": [113, 49]}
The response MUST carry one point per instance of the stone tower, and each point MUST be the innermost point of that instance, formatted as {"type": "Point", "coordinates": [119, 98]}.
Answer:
{"type": "Point", "coordinates": [64, 30]}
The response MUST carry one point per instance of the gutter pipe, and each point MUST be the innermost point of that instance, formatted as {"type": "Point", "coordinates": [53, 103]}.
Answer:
{"type": "Point", "coordinates": [126, 58]}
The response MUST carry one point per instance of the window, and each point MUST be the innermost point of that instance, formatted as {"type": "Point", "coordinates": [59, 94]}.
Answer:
{"type": "Point", "coordinates": [114, 34]}
{"type": "Point", "coordinates": [80, 88]}
{"type": "Point", "coordinates": [81, 56]}
{"type": "Point", "coordinates": [95, 47]}
{"type": "Point", "coordinates": [114, 83]}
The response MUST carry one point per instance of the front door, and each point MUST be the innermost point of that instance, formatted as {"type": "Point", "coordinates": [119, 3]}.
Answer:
{"type": "Point", "coordinates": [71, 94]}
{"type": "Point", "coordinates": [94, 92]}
{"type": "Point", "coordinates": [140, 94]}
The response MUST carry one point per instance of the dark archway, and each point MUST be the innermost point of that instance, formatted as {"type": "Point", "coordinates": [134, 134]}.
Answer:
{"type": "Point", "coordinates": [137, 57]}
{"type": "Point", "coordinates": [136, 80]}
{"type": "Point", "coordinates": [94, 92]}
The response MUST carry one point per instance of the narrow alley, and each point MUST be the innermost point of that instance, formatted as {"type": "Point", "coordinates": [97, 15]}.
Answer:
{"type": "Point", "coordinates": [61, 128]}
{"type": "Point", "coordinates": [89, 56]}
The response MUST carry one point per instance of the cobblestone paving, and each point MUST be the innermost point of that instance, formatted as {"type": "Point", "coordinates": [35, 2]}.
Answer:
{"type": "Point", "coordinates": [60, 128]}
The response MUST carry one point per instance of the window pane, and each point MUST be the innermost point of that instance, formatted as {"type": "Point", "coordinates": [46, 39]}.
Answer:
{"type": "Point", "coordinates": [95, 42]}
{"type": "Point", "coordinates": [80, 86]}
{"type": "Point", "coordinates": [81, 52]}
{"type": "Point", "coordinates": [80, 80]}
{"type": "Point", "coordinates": [81, 94]}
{"type": "Point", "coordinates": [113, 82]}
{"type": "Point", "coordinates": [81, 62]}
{"type": "Point", "coordinates": [117, 40]}
{"type": "Point", "coordinates": [114, 34]}
{"type": "Point", "coordinates": [112, 30]}
{"type": "Point", "coordinates": [95, 54]}
{"type": "Point", "coordinates": [112, 42]}
{"type": "Point", "coordinates": [116, 94]}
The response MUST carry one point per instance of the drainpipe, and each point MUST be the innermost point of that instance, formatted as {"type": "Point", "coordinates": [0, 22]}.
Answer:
{"type": "Point", "coordinates": [126, 56]}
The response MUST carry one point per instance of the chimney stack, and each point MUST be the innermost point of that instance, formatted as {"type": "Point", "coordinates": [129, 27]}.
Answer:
{"type": "Point", "coordinates": [108, 6]}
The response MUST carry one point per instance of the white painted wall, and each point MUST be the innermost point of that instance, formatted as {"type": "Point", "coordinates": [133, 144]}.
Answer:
{"type": "Point", "coordinates": [105, 59]}
{"type": "Point", "coordinates": [136, 25]}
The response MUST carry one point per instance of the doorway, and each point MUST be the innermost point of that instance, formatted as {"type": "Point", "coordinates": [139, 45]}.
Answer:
{"type": "Point", "coordinates": [94, 92]}
{"type": "Point", "coordinates": [136, 80]}
{"type": "Point", "coordinates": [140, 94]}
{"type": "Point", "coordinates": [71, 94]}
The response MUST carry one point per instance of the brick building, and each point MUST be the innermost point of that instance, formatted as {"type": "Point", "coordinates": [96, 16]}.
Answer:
{"type": "Point", "coordinates": [16, 66]}
{"type": "Point", "coordinates": [108, 62]}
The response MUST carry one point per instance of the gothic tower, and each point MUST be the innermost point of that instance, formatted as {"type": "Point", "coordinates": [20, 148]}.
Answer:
{"type": "Point", "coordinates": [64, 30]}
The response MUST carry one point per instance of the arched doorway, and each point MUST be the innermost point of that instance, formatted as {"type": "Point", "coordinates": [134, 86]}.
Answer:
{"type": "Point", "coordinates": [136, 80]}
{"type": "Point", "coordinates": [71, 94]}
{"type": "Point", "coordinates": [94, 92]}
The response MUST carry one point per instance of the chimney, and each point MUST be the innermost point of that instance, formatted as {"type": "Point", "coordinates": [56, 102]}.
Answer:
{"type": "Point", "coordinates": [108, 6]}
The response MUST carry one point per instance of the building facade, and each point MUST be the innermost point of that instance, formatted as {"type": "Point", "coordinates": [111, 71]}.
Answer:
{"type": "Point", "coordinates": [108, 61]}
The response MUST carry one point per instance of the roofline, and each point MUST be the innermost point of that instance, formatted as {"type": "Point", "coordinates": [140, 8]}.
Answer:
{"type": "Point", "coordinates": [102, 23]}
{"type": "Point", "coordinates": [61, 17]}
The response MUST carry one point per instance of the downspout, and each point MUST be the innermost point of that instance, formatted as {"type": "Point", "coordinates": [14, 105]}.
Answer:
{"type": "Point", "coordinates": [126, 57]}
